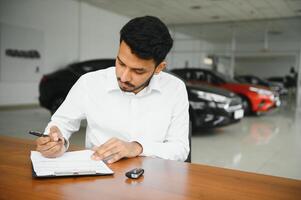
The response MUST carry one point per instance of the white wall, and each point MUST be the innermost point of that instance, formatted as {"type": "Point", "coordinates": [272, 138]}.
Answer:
{"type": "Point", "coordinates": [265, 66]}
{"type": "Point", "coordinates": [245, 48]}
{"type": "Point", "coordinates": [251, 58]}
{"type": "Point", "coordinates": [21, 40]}
{"type": "Point", "coordinates": [72, 31]}
{"type": "Point", "coordinates": [99, 32]}
{"type": "Point", "coordinates": [187, 52]}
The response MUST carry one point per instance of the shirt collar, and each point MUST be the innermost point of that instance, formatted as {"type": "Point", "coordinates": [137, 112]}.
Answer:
{"type": "Point", "coordinates": [154, 84]}
{"type": "Point", "coordinates": [112, 83]}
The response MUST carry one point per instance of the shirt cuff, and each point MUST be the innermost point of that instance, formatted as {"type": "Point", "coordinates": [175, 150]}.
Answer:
{"type": "Point", "coordinates": [66, 143]}
{"type": "Point", "coordinates": [146, 147]}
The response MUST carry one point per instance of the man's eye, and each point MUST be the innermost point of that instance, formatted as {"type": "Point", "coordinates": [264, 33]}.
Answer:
{"type": "Point", "coordinates": [122, 64]}
{"type": "Point", "coordinates": [139, 72]}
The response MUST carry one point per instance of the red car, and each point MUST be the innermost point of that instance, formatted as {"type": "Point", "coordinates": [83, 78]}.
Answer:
{"type": "Point", "coordinates": [256, 99]}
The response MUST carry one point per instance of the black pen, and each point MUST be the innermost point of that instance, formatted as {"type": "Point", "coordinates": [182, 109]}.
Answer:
{"type": "Point", "coordinates": [39, 134]}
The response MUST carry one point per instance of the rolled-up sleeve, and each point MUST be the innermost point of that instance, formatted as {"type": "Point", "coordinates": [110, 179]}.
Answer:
{"type": "Point", "coordinates": [69, 115]}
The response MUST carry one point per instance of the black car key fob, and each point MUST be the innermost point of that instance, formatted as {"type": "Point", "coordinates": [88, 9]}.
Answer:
{"type": "Point", "coordinates": [135, 173]}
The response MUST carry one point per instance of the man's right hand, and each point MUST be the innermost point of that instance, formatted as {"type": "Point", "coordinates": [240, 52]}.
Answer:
{"type": "Point", "coordinates": [53, 145]}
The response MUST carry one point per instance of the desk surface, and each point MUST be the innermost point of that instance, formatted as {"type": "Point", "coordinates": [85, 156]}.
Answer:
{"type": "Point", "coordinates": [163, 179]}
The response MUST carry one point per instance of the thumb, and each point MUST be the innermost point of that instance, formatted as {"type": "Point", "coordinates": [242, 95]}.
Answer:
{"type": "Point", "coordinates": [54, 133]}
{"type": "Point", "coordinates": [95, 156]}
{"type": "Point", "coordinates": [95, 148]}
{"type": "Point", "coordinates": [54, 129]}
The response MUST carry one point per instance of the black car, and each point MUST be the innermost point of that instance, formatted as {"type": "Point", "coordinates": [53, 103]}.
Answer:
{"type": "Point", "coordinates": [256, 99]}
{"type": "Point", "coordinates": [54, 87]}
{"type": "Point", "coordinates": [213, 107]}
{"type": "Point", "coordinates": [209, 106]}
{"type": "Point", "coordinates": [251, 79]}
{"type": "Point", "coordinates": [287, 81]}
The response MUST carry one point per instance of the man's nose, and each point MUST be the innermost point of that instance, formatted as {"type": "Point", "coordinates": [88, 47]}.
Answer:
{"type": "Point", "coordinates": [126, 76]}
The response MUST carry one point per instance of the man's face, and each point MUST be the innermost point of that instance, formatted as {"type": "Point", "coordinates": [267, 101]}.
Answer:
{"type": "Point", "coordinates": [133, 73]}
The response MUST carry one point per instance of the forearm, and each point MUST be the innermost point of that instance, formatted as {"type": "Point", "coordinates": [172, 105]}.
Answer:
{"type": "Point", "coordinates": [176, 150]}
{"type": "Point", "coordinates": [69, 115]}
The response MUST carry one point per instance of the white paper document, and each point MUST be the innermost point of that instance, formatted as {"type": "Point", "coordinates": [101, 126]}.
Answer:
{"type": "Point", "coordinates": [71, 163]}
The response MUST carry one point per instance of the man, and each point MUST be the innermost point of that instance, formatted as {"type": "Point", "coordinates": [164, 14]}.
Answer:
{"type": "Point", "coordinates": [132, 109]}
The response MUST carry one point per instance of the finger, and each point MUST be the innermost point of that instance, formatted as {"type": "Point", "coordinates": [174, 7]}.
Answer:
{"type": "Point", "coordinates": [109, 142]}
{"type": "Point", "coordinates": [52, 152]}
{"type": "Point", "coordinates": [99, 153]}
{"type": "Point", "coordinates": [55, 133]}
{"type": "Point", "coordinates": [54, 145]}
{"type": "Point", "coordinates": [54, 136]}
{"type": "Point", "coordinates": [42, 148]}
{"type": "Point", "coordinates": [42, 140]}
{"type": "Point", "coordinates": [115, 158]}
{"type": "Point", "coordinates": [54, 129]}
{"type": "Point", "coordinates": [94, 156]}
{"type": "Point", "coordinates": [110, 153]}
{"type": "Point", "coordinates": [105, 147]}
{"type": "Point", "coordinates": [95, 148]}
{"type": "Point", "coordinates": [106, 154]}
{"type": "Point", "coordinates": [55, 149]}
{"type": "Point", "coordinates": [47, 146]}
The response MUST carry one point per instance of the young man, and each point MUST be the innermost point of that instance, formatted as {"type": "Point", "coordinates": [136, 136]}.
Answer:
{"type": "Point", "coordinates": [132, 109]}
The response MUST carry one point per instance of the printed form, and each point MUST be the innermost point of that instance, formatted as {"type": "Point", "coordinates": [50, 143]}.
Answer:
{"type": "Point", "coordinates": [71, 163]}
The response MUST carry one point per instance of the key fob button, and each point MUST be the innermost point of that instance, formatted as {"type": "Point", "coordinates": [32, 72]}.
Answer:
{"type": "Point", "coordinates": [134, 173]}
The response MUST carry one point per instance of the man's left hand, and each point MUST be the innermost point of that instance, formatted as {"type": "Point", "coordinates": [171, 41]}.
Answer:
{"type": "Point", "coordinates": [115, 149]}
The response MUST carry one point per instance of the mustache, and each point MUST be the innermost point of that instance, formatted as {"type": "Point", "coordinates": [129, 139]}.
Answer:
{"type": "Point", "coordinates": [127, 83]}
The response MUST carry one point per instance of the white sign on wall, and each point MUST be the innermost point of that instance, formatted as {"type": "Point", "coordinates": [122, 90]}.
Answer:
{"type": "Point", "coordinates": [22, 53]}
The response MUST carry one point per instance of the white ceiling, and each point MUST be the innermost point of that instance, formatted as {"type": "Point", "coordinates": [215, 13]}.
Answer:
{"type": "Point", "coordinates": [180, 12]}
{"type": "Point", "coordinates": [274, 30]}
{"type": "Point", "coordinates": [216, 20]}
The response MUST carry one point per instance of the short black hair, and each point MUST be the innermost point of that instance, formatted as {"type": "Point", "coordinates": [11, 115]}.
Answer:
{"type": "Point", "coordinates": [148, 37]}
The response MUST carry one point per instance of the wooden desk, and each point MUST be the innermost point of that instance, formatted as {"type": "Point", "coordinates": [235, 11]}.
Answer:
{"type": "Point", "coordinates": [163, 179]}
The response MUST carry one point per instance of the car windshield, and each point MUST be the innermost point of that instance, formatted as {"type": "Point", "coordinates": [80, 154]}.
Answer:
{"type": "Point", "coordinates": [258, 81]}
{"type": "Point", "coordinates": [225, 77]}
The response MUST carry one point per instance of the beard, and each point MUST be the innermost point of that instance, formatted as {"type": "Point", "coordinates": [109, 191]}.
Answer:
{"type": "Point", "coordinates": [130, 87]}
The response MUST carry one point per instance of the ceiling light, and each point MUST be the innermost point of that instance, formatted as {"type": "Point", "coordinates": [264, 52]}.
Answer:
{"type": "Point", "coordinates": [195, 7]}
{"type": "Point", "coordinates": [208, 61]}
{"type": "Point", "coordinates": [215, 17]}
{"type": "Point", "coordinates": [274, 32]}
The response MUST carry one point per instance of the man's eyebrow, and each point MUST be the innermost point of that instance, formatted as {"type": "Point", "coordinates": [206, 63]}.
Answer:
{"type": "Point", "coordinates": [134, 68]}
{"type": "Point", "coordinates": [120, 60]}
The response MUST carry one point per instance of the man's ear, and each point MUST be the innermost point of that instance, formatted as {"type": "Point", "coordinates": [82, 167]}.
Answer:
{"type": "Point", "coordinates": [160, 67]}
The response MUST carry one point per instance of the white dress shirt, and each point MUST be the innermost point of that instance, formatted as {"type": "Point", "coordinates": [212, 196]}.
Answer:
{"type": "Point", "coordinates": [156, 117]}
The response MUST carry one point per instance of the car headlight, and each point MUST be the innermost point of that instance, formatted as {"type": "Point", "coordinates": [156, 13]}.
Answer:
{"type": "Point", "coordinates": [275, 88]}
{"type": "Point", "coordinates": [211, 97]}
{"type": "Point", "coordinates": [197, 105]}
{"type": "Point", "coordinates": [261, 91]}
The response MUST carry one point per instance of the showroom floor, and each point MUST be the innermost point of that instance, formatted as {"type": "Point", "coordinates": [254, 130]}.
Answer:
{"type": "Point", "coordinates": [268, 144]}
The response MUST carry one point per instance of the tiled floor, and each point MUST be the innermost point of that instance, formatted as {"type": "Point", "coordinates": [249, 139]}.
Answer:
{"type": "Point", "coordinates": [269, 144]}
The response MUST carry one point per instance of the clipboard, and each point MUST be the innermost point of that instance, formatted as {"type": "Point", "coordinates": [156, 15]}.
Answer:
{"type": "Point", "coordinates": [68, 174]}
{"type": "Point", "coordinates": [71, 164]}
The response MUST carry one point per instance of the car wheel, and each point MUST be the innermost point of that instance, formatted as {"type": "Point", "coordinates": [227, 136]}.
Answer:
{"type": "Point", "coordinates": [56, 104]}
{"type": "Point", "coordinates": [246, 106]}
